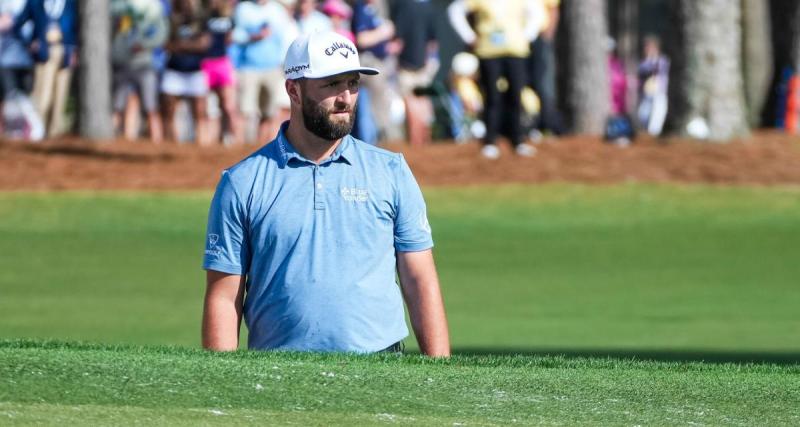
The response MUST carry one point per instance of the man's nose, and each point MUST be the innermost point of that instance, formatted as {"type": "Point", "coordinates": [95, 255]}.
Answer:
{"type": "Point", "coordinates": [346, 96]}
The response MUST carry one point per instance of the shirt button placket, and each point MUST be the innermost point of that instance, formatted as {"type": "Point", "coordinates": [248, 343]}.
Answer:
{"type": "Point", "coordinates": [319, 187]}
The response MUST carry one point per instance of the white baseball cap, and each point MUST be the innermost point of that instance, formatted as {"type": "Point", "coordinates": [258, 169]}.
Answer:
{"type": "Point", "coordinates": [322, 54]}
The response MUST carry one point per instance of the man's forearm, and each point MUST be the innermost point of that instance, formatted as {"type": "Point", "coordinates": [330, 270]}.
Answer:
{"type": "Point", "coordinates": [220, 326]}
{"type": "Point", "coordinates": [222, 312]}
{"type": "Point", "coordinates": [428, 319]}
{"type": "Point", "coordinates": [422, 293]}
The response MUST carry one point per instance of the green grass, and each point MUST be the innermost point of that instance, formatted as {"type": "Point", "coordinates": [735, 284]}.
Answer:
{"type": "Point", "coordinates": [656, 276]}
{"type": "Point", "coordinates": [628, 269]}
{"type": "Point", "coordinates": [59, 383]}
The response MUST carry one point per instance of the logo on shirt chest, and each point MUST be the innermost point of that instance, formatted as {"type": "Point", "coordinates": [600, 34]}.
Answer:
{"type": "Point", "coordinates": [352, 194]}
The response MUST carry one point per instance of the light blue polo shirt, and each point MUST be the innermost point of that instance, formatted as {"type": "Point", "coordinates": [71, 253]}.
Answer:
{"type": "Point", "coordinates": [317, 244]}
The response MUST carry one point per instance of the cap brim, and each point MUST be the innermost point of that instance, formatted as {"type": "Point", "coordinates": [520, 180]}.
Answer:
{"type": "Point", "coordinates": [363, 70]}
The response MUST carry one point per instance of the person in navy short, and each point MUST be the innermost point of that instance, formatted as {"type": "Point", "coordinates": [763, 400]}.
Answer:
{"type": "Point", "coordinates": [307, 234]}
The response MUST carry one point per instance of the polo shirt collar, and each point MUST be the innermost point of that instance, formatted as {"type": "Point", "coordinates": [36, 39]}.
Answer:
{"type": "Point", "coordinates": [287, 152]}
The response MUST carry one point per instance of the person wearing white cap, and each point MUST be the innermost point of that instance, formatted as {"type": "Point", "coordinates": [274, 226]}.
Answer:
{"type": "Point", "coordinates": [307, 234]}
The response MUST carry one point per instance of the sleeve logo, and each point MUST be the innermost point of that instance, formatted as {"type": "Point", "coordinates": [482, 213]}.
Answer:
{"type": "Point", "coordinates": [212, 249]}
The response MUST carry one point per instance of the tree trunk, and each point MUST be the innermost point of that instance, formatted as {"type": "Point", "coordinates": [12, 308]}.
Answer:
{"type": "Point", "coordinates": [706, 80]}
{"type": "Point", "coordinates": [587, 87]}
{"type": "Point", "coordinates": [95, 70]}
{"type": "Point", "coordinates": [756, 56]}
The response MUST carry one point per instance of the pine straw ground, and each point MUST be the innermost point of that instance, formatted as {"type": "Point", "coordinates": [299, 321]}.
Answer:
{"type": "Point", "coordinates": [767, 158]}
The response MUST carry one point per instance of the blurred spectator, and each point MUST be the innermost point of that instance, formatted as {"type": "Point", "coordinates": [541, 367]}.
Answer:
{"type": "Point", "coordinates": [466, 99]}
{"type": "Point", "coordinates": [21, 23]}
{"type": "Point", "coordinates": [339, 13]}
{"type": "Point", "coordinates": [57, 59]}
{"type": "Point", "coordinates": [374, 38]}
{"type": "Point", "coordinates": [183, 78]}
{"type": "Point", "coordinates": [262, 32]}
{"type": "Point", "coordinates": [617, 79]}
{"type": "Point", "coordinates": [542, 67]}
{"type": "Point", "coordinates": [219, 69]}
{"type": "Point", "coordinates": [417, 64]}
{"type": "Point", "coordinates": [500, 38]}
{"type": "Point", "coordinates": [619, 129]}
{"type": "Point", "coordinates": [139, 28]}
{"type": "Point", "coordinates": [309, 19]}
{"type": "Point", "coordinates": [289, 5]}
{"type": "Point", "coordinates": [654, 82]}
{"type": "Point", "coordinates": [159, 54]}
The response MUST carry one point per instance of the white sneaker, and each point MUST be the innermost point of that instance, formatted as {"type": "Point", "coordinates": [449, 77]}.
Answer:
{"type": "Point", "coordinates": [525, 150]}
{"type": "Point", "coordinates": [490, 151]}
{"type": "Point", "coordinates": [535, 136]}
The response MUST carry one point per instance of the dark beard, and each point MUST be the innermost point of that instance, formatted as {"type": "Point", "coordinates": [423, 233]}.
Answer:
{"type": "Point", "coordinates": [318, 122]}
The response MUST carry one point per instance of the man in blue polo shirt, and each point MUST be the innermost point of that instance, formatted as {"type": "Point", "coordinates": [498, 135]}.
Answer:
{"type": "Point", "coordinates": [305, 235]}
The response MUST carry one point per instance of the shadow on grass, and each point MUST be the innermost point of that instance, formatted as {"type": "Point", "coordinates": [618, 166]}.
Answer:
{"type": "Point", "coordinates": [691, 355]}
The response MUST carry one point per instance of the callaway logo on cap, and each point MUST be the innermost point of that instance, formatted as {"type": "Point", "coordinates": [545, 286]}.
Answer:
{"type": "Point", "coordinates": [322, 54]}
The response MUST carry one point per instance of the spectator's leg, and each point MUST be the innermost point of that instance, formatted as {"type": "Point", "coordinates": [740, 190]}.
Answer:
{"type": "Point", "coordinates": [44, 81]}
{"type": "Point", "coordinates": [419, 111]}
{"type": "Point", "coordinates": [200, 112]}
{"type": "Point", "coordinates": [276, 109]}
{"type": "Point", "coordinates": [60, 95]}
{"type": "Point", "coordinates": [156, 127]}
{"type": "Point", "coordinates": [169, 105]}
{"type": "Point", "coordinates": [133, 107]}
{"type": "Point", "coordinates": [148, 88]}
{"type": "Point", "coordinates": [119, 98]}
{"type": "Point", "coordinates": [227, 97]}
{"type": "Point", "coordinates": [248, 102]}
{"type": "Point", "coordinates": [658, 114]}
{"type": "Point", "coordinates": [543, 81]}
{"type": "Point", "coordinates": [379, 95]}
{"type": "Point", "coordinates": [267, 111]}
{"type": "Point", "coordinates": [644, 111]}
{"type": "Point", "coordinates": [514, 70]}
{"type": "Point", "coordinates": [490, 72]}
{"type": "Point", "coordinates": [222, 77]}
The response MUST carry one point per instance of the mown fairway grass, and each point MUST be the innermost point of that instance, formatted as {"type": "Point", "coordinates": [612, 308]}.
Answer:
{"type": "Point", "coordinates": [58, 384]}
{"type": "Point", "coordinates": [652, 272]}
{"type": "Point", "coordinates": [576, 269]}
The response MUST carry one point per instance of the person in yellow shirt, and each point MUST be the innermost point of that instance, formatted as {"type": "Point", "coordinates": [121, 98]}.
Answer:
{"type": "Point", "coordinates": [499, 36]}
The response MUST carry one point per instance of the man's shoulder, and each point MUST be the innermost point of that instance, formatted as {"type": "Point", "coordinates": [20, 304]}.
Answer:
{"type": "Point", "coordinates": [376, 154]}
{"type": "Point", "coordinates": [258, 162]}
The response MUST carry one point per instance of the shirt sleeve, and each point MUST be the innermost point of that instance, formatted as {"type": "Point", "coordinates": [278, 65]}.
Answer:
{"type": "Point", "coordinates": [239, 34]}
{"type": "Point", "coordinates": [359, 22]}
{"type": "Point", "coordinates": [457, 13]}
{"type": "Point", "coordinates": [412, 232]}
{"type": "Point", "coordinates": [226, 250]}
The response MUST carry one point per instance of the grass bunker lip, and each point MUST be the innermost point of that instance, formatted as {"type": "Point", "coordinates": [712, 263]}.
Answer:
{"type": "Point", "coordinates": [58, 382]}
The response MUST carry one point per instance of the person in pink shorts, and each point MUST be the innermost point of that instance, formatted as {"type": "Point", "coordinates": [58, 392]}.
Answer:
{"type": "Point", "coordinates": [219, 70]}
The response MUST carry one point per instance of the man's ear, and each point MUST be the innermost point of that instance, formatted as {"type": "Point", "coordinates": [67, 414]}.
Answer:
{"type": "Point", "coordinates": [293, 90]}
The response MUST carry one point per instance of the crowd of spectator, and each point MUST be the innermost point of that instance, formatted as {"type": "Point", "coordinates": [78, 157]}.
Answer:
{"type": "Point", "coordinates": [219, 63]}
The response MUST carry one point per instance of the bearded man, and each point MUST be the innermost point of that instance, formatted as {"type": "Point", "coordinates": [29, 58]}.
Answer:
{"type": "Point", "coordinates": [306, 235]}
